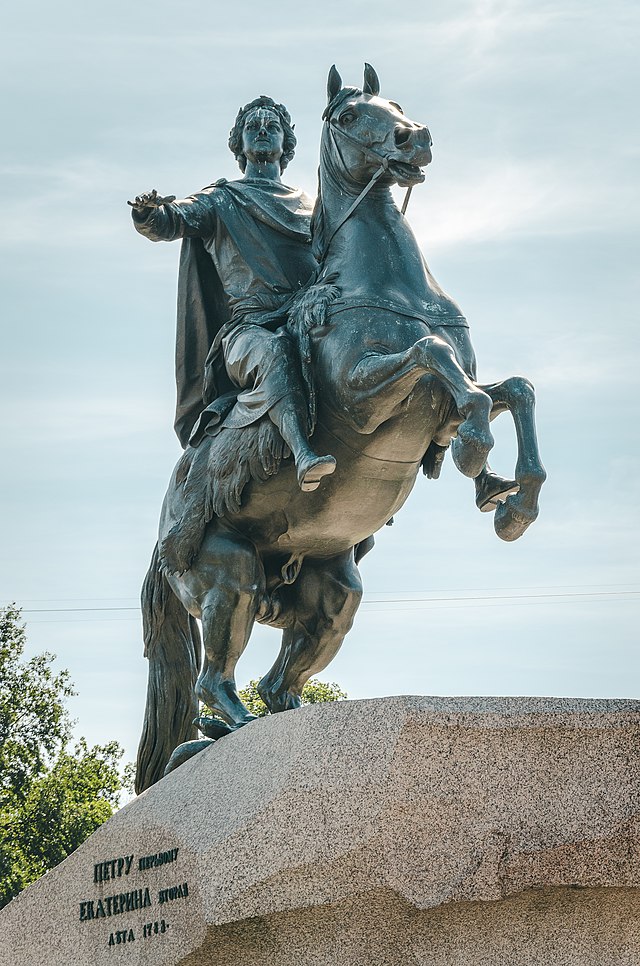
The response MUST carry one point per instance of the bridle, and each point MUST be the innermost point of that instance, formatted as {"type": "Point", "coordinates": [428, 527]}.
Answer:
{"type": "Point", "coordinates": [384, 167]}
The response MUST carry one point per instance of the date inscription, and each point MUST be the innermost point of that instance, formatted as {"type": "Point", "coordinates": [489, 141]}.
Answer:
{"type": "Point", "coordinates": [154, 928]}
{"type": "Point", "coordinates": [130, 900]}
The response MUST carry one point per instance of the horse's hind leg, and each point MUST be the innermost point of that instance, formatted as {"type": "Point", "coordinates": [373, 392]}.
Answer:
{"type": "Point", "coordinates": [224, 588]}
{"type": "Point", "coordinates": [520, 509]}
{"type": "Point", "coordinates": [324, 601]}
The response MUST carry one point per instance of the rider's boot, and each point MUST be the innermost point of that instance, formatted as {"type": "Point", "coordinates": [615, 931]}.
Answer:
{"type": "Point", "coordinates": [492, 489]}
{"type": "Point", "coordinates": [311, 468]}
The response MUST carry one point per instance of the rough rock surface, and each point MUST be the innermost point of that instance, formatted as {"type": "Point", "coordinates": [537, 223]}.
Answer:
{"type": "Point", "coordinates": [433, 831]}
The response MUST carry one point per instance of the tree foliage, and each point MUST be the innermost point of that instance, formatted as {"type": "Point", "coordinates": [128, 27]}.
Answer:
{"type": "Point", "coordinates": [52, 797]}
{"type": "Point", "coordinates": [314, 692]}
{"type": "Point", "coordinates": [33, 719]}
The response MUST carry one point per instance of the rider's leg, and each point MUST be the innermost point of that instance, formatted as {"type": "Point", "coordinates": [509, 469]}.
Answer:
{"type": "Point", "coordinates": [225, 593]}
{"type": "Point", "coordinates": [324, 600]}
{"type": "Point", "coordinates": [287, 415]}
{"type": "Point", "coordinates": [264, 365]}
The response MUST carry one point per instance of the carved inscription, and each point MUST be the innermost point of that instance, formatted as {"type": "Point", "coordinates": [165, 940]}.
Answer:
{"type": "Point", "coordinates": [177, 892]}
{"type": "Point", "coordinates": [160, 858]}
{"type": "Point", "coordinates": [122, 936]}
{"type": "Point", "coordinates": [114, 905]}
{"type": "Point", "coordinates": [112, 868]}
{"type": "Point", "coordinates": [131, 900]}
{"type": "Point", "coordinates": [154, 928]}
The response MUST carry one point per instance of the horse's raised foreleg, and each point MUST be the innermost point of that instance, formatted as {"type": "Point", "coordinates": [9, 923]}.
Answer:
{"type": "Point", "coordinates": [323, 601]}
{"type": "Point", "coordinates": [224, 587]}
{"type": "Point", "coordinates": [518, 512]}
{"type": "Point", "coordinates": [380, 383]}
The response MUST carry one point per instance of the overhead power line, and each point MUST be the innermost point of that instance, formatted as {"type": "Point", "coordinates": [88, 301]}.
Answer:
{"type": "Point", "coordinates": [559, 588]}
{"type": "Point", "coordinates": [558, 596]}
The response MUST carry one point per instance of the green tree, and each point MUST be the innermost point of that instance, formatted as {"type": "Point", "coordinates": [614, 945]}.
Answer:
{"type": "Point", "coordinates": [314, 692]}
{"type": "Point", "coordinates": [33, 719]}
{"type": "Point", "coordinates": [51, 797]}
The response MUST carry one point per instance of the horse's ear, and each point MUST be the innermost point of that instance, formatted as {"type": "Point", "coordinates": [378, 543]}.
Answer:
{"type": "Point", "coordinates": [334, 83]}
{"type": "Point", "coordinates": [371, 82]}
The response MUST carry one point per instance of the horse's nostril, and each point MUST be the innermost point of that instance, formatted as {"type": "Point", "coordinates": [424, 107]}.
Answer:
{"type": "Point", "coordinates": [402, 135]}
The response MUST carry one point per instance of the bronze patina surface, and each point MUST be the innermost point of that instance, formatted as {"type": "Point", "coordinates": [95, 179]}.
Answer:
{"type": "Point", "coordinates": [319, 366]}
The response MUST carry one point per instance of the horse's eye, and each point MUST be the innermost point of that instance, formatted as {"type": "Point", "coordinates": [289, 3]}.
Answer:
{"type": "Point", "coordinates": [347, 118]}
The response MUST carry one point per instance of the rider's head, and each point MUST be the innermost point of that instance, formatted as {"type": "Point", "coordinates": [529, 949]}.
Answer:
{"type": "Point", "coordinates": [263, 121]}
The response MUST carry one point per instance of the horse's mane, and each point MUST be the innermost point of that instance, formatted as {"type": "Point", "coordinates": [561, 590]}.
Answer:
{"type": "Point", "coordinates": [343, 95]}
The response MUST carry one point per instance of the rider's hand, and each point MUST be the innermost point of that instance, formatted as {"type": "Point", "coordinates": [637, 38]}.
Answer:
{"type": "Point", "coordinates": [150, 199]}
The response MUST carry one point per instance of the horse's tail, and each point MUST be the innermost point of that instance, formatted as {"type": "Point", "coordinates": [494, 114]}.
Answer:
{"type": "Point", "coordinates": [172, 645]}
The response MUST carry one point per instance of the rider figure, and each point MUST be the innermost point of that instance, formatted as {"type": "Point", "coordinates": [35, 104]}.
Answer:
{"type": "Point", "coordinates": [254, 234]}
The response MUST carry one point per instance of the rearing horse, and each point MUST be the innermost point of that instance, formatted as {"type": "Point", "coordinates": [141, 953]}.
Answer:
{"type": "Point", "coordinates": [388, 391]}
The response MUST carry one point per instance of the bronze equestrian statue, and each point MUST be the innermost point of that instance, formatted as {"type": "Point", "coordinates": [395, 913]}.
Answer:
{"type": "Point", "coordinates": [377, 366]}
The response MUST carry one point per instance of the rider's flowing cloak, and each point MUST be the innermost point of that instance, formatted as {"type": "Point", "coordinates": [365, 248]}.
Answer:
{"type": "Point", "coordinates": [250, 212]}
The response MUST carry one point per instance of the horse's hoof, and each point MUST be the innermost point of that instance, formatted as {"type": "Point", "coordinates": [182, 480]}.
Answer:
{"type": "Point", "coordinates": [285, 702]}
{"type": "Point", "coordinates": [511, 521]}
{"type": "Point", "coordinates": [312, 471]}
{"type": "Point", "coordinates": [492, 490]}
{"type": "Point", "coordinates": [221, 697]}
{"type": "Point", "coordinates": [470, 449]}
{"type": "Point", "coordinates": [277, 701]}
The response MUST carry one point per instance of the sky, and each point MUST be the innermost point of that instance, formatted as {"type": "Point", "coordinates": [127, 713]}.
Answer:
{"type": "Point", "coordinates": [528, 217]}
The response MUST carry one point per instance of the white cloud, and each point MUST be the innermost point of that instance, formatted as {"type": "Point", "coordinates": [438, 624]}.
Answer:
{"type": "Point", "coordinates": [498, 199]}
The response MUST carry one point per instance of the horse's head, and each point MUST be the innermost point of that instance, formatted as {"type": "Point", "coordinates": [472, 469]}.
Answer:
{"type": "Point", "coordinates": [366, 131]}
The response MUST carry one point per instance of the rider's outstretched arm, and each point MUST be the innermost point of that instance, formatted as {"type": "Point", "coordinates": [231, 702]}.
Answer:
{"type": "Point", "coordinates": [165, 219]}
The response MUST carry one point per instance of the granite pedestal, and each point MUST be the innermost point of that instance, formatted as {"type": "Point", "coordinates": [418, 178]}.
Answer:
{"type": "Point", "coordinates": [411, 830]}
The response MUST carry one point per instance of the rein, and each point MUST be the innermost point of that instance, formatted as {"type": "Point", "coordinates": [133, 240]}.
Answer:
{"type": "Point", "coordinates": [378, 174]}
{"type": "Point", "coordinates": [384, 166]}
